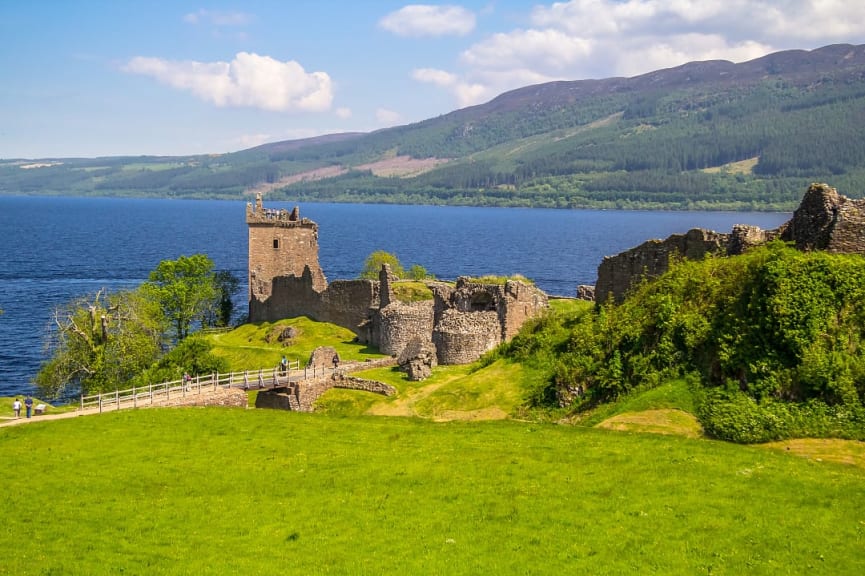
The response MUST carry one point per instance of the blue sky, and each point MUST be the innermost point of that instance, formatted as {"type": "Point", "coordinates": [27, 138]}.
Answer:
{"type": "Point", "coordinates": [117, 77]}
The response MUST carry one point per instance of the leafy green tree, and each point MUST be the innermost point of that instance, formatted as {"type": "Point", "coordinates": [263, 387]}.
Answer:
{"type": "Point", "coordinates": [418, 272]}
{"type": "Point", "coordinates": [373, 263]}
{"type": "Point", "coordinates": [194, 355]}
{"type": "Point", "coordinates": [186, 289]}
{"type": "Point", "coordinates": [227, 285]}
{"type": "Point", "coordinates": [100, 341]}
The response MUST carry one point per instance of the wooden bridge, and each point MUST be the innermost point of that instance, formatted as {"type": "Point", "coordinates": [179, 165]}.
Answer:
{"type": "Point", "coordinates": [165, 392]}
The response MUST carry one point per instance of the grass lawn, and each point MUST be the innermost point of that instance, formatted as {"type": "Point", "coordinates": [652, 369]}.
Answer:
{"type": "Point", "coordinates": [253, 346]}
{"type": "Point", "coordinates": [231, 491]}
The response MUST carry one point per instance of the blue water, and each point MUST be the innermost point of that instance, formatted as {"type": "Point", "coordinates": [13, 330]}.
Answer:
{"type": "Point", "coordinates": [55, 249]}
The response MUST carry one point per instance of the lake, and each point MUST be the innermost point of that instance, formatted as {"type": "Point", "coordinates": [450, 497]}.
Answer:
{"type": "Point", "coordinates": [55, 249]}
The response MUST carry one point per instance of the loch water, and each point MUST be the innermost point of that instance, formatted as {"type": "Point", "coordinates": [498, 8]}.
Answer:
{"type": "Point", "coordinates": [53, 249]}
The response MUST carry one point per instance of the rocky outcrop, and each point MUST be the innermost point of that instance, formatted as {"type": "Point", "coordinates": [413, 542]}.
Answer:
{"type": "Point", "coordinates": [824, 220]}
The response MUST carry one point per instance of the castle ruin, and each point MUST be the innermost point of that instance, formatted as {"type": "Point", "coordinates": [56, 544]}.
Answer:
{"type": "Point", "coordinates": [462, 321]}
{"type": "Point", "coordinates": [824, 220]}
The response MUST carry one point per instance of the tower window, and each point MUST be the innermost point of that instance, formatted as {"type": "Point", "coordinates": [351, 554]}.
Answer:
{"type": "Point", "coordinates": [276, 242]}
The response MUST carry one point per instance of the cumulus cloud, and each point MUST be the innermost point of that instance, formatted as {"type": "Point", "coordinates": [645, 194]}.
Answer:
{"type": "Point", "coordinates": [579, 39]}
{"type": "Point", "coordinates": [249, 80]}
{"type": "Point", "coordinates": [428, 20]}
{"type": "Point", "coordinates": [433, 76]}
{"type": "Point", "coordinates": [343, 112]}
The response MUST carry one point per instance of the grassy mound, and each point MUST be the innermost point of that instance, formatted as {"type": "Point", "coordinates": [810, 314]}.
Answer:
{"type": "Point", "coordinates": [258, 346]}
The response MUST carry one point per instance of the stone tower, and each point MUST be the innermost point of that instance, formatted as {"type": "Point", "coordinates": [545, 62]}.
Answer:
{"type": "Point", "coordinates": [281, 245]}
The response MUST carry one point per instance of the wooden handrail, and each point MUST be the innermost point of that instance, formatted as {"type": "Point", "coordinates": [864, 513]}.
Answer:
{"type": "Point", "coordinates": [152, 393]}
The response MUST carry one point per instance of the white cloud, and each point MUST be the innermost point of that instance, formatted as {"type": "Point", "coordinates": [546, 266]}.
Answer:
{"type": "Point", "coordinates": [218, 18]}
{"type": "Point", "coordinates": [580, 39]}
{"type": "Point", "coordinates": [546, 49]}
{"type": "Point", "coordinates": [387, 117]}
{"type": "Point", "coordinates": [428, 20]}
{"type": "Point", "coordinates": [343, 112]}
{"type": "Point", "coordinates": [434, 76]}
{"type": "Point", "coordinates": [249, 80]}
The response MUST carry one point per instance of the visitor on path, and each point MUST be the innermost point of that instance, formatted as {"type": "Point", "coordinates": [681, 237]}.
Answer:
{"type": "Point", "coordinates": [186, 380]}
{"type": "Point", "coordinates": [16, 407]}
{"type": "Point", "coordinates": [335, 361]}
{"type": "Point", "coordinates": [28, 403]}
{"type": "Point", "coordinates": [284, 364]}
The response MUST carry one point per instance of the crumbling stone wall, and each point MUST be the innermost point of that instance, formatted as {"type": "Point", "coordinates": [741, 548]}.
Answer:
{"type": "Point", "coordinates": [824, 220]}
{"type": "Point", "coordinates": [348, 303]}
{"type": "Point", "coordinates": [400, 322]}
{"type": "Point", "coordinates": [617, 274]}
{"type": "Point", "coordinates": [225, 397]}
{"type": "Point", "coordinates": [519, 303]}
{"type": "Point", "coordinates": [301, 396]}
{"type": "Point", "coordinates": [463, 337]}
{"type": "Point", "coordinates": [287, 297]}
{"type": "Point", "coordinates": [472, 318]}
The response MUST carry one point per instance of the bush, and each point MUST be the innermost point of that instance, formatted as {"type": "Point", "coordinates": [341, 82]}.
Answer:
{"type": "Point", "coordinates": [736, 417]}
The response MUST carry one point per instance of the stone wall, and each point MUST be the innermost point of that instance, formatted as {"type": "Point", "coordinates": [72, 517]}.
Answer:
{"type": "Point", "coordinates": [617, 274]}
{"type": "Point", "coordinates": [400, 322]}
{"type": "Point", "coordinates": [348, 303]}
{"type": "Point", "coordinates": [225, 397]}
{"type": "Point", "coordinates": [301, 396]}
{"type": "Point", "coordinates": [824, 220]}
{"type": "Point", "coordinates": [463, 337]}
{"type": "Point", "coordinates": [288, 297]}
{"type": "Point", "coordinates": [520, 302]}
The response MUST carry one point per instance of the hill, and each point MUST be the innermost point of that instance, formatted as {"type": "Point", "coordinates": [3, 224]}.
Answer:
{"type": "Point", "coordinates": [704, 135]}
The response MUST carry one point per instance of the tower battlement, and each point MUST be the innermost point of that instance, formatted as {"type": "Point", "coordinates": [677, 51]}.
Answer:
{"type": "Point", "coordinates": [281, 245]}
{"type": "Point", "coordinates": [258, 214]}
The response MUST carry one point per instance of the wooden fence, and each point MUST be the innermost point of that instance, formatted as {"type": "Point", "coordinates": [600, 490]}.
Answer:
{"type": "Point", "coordinates": [156, 393]}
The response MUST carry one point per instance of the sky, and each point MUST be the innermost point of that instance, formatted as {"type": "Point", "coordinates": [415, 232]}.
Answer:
{"type": "Point", "coordinates": [127, 77]}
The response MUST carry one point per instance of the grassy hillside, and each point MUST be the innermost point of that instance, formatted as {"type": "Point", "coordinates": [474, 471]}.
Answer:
{"type": "Point", "coordinates": [215, 491]}
{"type": "Point", "coordinates": [704, 135]}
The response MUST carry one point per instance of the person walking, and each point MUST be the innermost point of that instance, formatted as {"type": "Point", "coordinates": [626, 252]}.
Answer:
{"type": "Point", "coordinates": [16, 407]}
{"type": "Point", "coordinates": [28, 404]}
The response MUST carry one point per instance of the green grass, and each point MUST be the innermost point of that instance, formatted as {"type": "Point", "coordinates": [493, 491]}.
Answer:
{"type": "Point", "coordinates": [248, 347]}
{"type": "Point", "coordinates": [451, 393]}
{"type": "Point", "coordinates": [675, 394]}
{"type": "Point", "coordinates": [6, 412]}
{"type": "Point", "coordinates": [411, 291]}
{"type": "Point", "coordinates": [229, 491]}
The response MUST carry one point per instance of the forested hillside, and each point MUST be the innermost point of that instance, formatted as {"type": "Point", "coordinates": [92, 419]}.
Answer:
{"type": "Point", "coordinates": [705, 135]}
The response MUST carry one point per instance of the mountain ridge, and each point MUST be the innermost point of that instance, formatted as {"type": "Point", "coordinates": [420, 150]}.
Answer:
{"type": "Point", "coordinates": [649, 140]}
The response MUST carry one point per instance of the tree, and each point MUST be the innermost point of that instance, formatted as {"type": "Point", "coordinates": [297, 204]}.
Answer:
{"type": "Point", "coordinates": [101, 341]}
{"type": "Point", "coordinates": [227, 285]}
{"type": "Point", "coordinates": [373, 263]}
{"type": "Point", "coordinates": [418, 272]}
{"type": "Point", "coordinates": [194, 355]}
{"type": "Point", "coordinates": [186, 290]}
